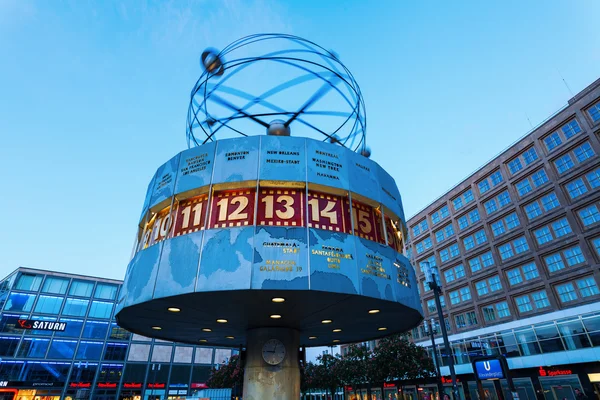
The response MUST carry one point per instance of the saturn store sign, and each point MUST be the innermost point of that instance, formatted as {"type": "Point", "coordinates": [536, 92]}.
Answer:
{"type": "Point", "coordinates": [42, 325]}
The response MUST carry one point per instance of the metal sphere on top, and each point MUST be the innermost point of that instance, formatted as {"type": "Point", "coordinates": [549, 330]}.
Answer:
{"type": "Point", "coordinates": [279, 78]}
{"type": "Point", "coordinates": [277, 127]}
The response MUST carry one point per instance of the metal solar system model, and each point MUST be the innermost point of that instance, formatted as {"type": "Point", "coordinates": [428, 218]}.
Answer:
{"type": "Point", "coordinates": [274, 230]}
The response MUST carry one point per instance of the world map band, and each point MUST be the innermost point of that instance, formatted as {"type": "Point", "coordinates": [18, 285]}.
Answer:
{"type": "Point", "coordinates": [268, 206]}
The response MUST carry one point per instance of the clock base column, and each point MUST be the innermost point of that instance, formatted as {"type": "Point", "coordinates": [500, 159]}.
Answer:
{"type": "Point", "coordinates": [263, 381]}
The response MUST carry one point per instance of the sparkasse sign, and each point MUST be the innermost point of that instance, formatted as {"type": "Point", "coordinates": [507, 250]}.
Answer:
{"type": "Point", "coordinates": [42, 325]}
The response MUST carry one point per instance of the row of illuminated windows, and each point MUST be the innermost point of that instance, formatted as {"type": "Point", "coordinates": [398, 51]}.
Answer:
{"type": "Point", "coordinates": [554, 262]}
{"type": "Point", "coordinates": [59, 285]}
{"type": "Point", "coordinates": [531, 182]}
{"type": "Point", "coordinates": [580, 288]}
{"type": "Point", "coordinates": [493, 180]}
{"type": "Point", "coordinates": [497, 203]}
{"type": "Point", "coordinates": [579, 186]}
{"type": "Point", "coordinates": [440, 215]}
{"type": "Point", "coordinates": [564, 133]}
{"type": "Point", "coordinates": [522, 160]}
{"type": "Point", "coordinates": [463, 199]}
{"type": "Point", "coordinates": [74, 307]}
{"type": "Point", "coordinates": [569, 160]}
{"type": "Point", "coordinates": [177, 376]}
{"type": "Point", "coordinates": [546, 337]}
{"type": "Point", "coordinates": [75, 328]}
{"type": "Point", "coordinates": [64, 349]}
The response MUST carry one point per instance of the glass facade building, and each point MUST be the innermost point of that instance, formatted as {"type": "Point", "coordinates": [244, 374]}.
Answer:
{"type": "Point", "coordinates": [517, 244]}
{"type": "Point", "coordinates": [59, 340]}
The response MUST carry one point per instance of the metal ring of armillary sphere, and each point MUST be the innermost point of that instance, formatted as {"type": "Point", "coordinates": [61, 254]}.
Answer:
{"type": "Point", "coordinates": [302, 86]}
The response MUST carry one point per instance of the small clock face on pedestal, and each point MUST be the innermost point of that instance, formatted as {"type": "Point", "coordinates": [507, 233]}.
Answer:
{"type": "Point", "coordinates": [273, 352]}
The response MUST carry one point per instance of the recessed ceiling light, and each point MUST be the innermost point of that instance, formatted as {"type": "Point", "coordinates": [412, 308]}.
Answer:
{"type": "Point", "coordinates": [326, 321]}
{"type": "Point", "coordinates": [277, 299]}
{"type": "Point", "coordinates": [156, 328]}
{"type": "Point", "coordinates": [203, 340]}
{"type": "Point", "coordinates": [312, 337]}
{"type": "Point", "coordinates": [174, 309]}
{"type": "Point", "coordinates": [275, 316]}
{"type": "Point", "coordinates": [229, 337]}
{"type": "Point", "coordinates": [222, 321]}
{"type": "Point", "coordinates": [382, 329]}
{"type": "Point", "coordinates": [336, 340]}
{"type": "Point", "coordinates": [206, 330]}
{"type": "Point", "coordinates": [373, 311]}
{"type": "Point", "coordinates": [337, 330]}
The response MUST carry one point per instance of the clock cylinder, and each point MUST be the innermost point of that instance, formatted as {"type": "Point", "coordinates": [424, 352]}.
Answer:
{"type": "Point", "coordinates": [263, 381]}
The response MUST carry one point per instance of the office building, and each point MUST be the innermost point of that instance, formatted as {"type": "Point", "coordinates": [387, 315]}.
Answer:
{"type": "Point", "coordinates": [517, 245]}
{"type": "Point", "coordinates": [59, 340]}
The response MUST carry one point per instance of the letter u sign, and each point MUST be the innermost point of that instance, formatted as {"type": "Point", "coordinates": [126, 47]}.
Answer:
{"type": "Point", "coordinates": [486, 365]}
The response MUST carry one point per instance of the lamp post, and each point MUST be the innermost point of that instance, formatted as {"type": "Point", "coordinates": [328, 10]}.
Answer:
{"type": "Point", "coordinates": [431, 330]}
{"type": "Point", "coordinates": [432, 278]}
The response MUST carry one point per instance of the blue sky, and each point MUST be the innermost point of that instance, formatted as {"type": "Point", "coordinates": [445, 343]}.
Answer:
{"type": "Point", "coordinates": [94, 98]}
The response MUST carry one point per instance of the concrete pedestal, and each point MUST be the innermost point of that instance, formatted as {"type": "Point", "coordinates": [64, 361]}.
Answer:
{"type": "Point", "coordinates": [272, 382]}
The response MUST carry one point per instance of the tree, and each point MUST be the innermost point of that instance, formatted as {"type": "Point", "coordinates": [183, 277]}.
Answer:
{"type": "Point", "coordinates": [358, 367]}
{"type": "Point", "coordinates": [228, 375]}
{"type": "Point", "coordinates": [400, 359]}
{"type": "Point", "coordinates": [326, 373]}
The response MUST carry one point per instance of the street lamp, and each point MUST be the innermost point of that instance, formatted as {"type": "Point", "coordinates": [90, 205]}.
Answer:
{"type": "Point", "coordinates": [432, 278]}
{"type": "Point", "coordinates": [431, 330]}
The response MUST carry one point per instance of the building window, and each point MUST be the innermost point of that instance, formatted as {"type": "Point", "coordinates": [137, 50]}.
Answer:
{"type": "Point", "coordinates": [19, 302]}
{"type": "Point", "coordinates": [484, 186]}
{"type": "Point", "coordinates": [462, 222]}
{"type": "Point", "coordinates": [115, 351]}
{"type": "Point", "coordinates": [475, 264]}
{"type": "Point", "coordinates": [539, 178]}
{"type": "Point", "coordinates": [503, 310]}
{"type": "Point", "coordinates": [498, 228]}
{"type": "Point", "coordinates": [105, 291]}
{"type": "Point", "coordinates": [524, 187]}
{"type": "Point", "coordinates": [458, 203]}
{"type": "Point", "coordinates": [550, 202]}
{"type": "Point", "coordinates": [449, 230]}
{"type": "Point", "coordinates": [62, 349]}
{"type": "Point", "coordinates": [530, 156]}
{"type": "Point", "coordinates": [571, 129]}
{"type": "Point", "coordinates": [435, 217]}
{"type": "Point", "coordinates": [594, 178]}
{"type": "Point", "coordinates": [533, 210]}
{"type": "Point", "coordinates": [489, 313]}
{"type": "Point", "coordinates": [543, 235]}
{"type": "Point", "coordinates": [574, 256]}
{"type": "Point", "coordinates": [564, 163]}
{"type": "Point", "coordinates": [101, 309]}
{"type": "Point", "coordinates": [48, 305]}
{"type": "Point", "coordinates": [439, 236]}
{"type": "Point", "coordinates": [89, 350]}
{"type": "Point", "coordinates": [468, 195]}
{"type": "Point", "coordinates": [506, 251]}
{"type": "Point", "coordinates": [33, 348]}
{"type": "Point", "coordinates": [584, 152]}
{"type": "Point", "coordinates": [524, 304]}
{"type": "Point", "coordinates": [454, 297]}
{"type": "Point", "coordinates": [480, 237]}
{"type": "Point", "coordinates": [469, 242]}
{"type": "Point", "coordinates": [444, 212]}
{"type": "Point", "coordinates": [514, 276]}
{"type": "Point", "coordinates": [490, 206]}
{"type": "Point", "coordinates": [587, 287]}
{"type": "Point", "coordinates": [512, 221]}
{"type": "Point", "coordinates": [29, 282]}
{"type": "Point", "coordinates": [589, 215]}
{"type": "Point", "coordinates": [474, 216]}
{"type": "Point", "coordinates": [594, 112]}
{"type": "Point", "coordinates": [515, 166]}
{"type": "Point", "coordinates": [566, 292]}
{"type": "Point", "coordinates": [496, 178]}
{"type": "Point", "coordinates": [596, 244]}
{"type": "Point", "coordinates": [55, 285]}
{"type": "Point", "coordinates": [576, 188]}
{"type": "Point", "coordinates": [482, 288]}
{"type": "Point", "coordinates": [554, 262]}
{"type": "Point", "coordinates": [431, 307]}
{"type": "Point", "coordinates": [465, 294]}
{"type": "Point", "coordinates": [504, 199]}
{"type": "Point", "coordinates": [81, 288]}
{"type": "Point", "coordinates": [530, 271]}
{"type": "Point", "coordinates": [444, 254]}
{"type": "Point", "coordinates": [75, 307]}
{"type": "Point", "coordinates": [540, 299]}
{"type": "Point", "coordinates": [416, 230]}
{"type": "Point", "coordinates": [454, 251]}
{"type": "Point", "coordinates": [561, 227]}
{"type": "Point", "coordinates": [552, 141]}
{"type": "Point", "coordinates": [520, 245]}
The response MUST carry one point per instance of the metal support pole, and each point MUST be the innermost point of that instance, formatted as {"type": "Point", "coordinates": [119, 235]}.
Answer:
{"type": "Point", "coordinates": [437, 362]}
{"type": "Point", "coordinates": [437, 291]}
